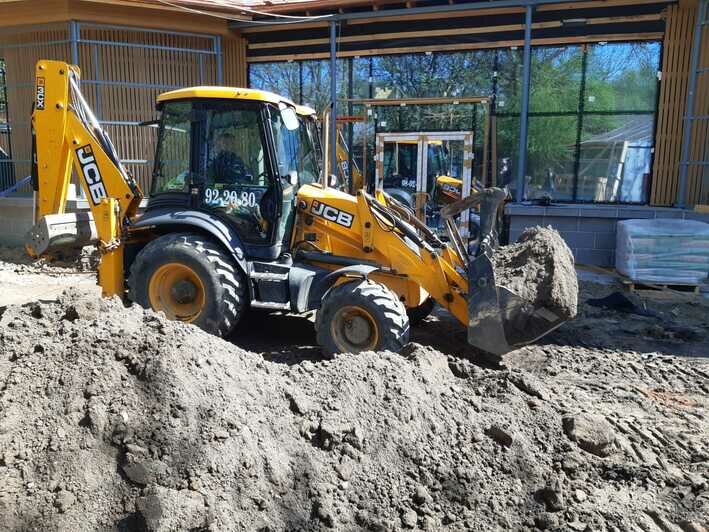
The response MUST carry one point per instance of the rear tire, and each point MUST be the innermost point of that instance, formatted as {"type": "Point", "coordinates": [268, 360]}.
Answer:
{"type": "Point", "coordinates": [361, 316]}
{"type": "Point", "coordinates": [190, 279]}
{"type": "Point", "coordinates": [421, 312]}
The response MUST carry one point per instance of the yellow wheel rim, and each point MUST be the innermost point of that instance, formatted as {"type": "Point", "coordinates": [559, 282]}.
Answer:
{"type": "Point", "coordinates": [354, 329]}
{"type": "Point", "coordinates": [177, 290]}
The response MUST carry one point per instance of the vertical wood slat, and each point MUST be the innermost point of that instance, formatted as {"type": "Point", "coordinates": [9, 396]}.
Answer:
{"type": "Point", "coordinates": [234, 60]}
{"type": "Point", "coordinates": [20, 72]}
{"type": "Point", "coordinates": [699, 148]}
{"type": "Point", "coordinates": [672, 103]}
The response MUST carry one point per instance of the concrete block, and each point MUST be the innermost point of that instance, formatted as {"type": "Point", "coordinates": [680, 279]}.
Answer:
{"type": "Point", "coordinates": [596, 211]}
{"type": "Point", "coordinates": [524, 210]}
{"type": "Point", "coordinates": [561, 223]}
{"type": "Point", "coordinates": [578, 239]}
{"type": "Point", "coordinates": [595, 257]}
{"type": "Point", "coordinates": [694, 215]}
{"type": "Point", "coordinates": [604, 241]}
{"type": "Point", "coordinates": [668, 213]}
{"type": "Point", "coordinates": [636, 213]}
{"type": "Point", "coordinates": [562, 210]}
{"type": "Point", "coordinates": [597, 225]}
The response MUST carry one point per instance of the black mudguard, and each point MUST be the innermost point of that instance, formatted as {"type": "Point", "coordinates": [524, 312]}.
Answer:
{"type": "Point", "coordinates": [202, 222]}
{"type": "Point", "coordinates": [321, 284]}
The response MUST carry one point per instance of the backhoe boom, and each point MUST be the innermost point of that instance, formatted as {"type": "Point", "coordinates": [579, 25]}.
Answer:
{"type": "Point", "coordinates": [68, 136]}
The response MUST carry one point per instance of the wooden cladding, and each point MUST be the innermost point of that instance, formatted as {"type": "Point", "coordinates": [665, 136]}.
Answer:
{"type": "Point", "coordinates": [122, 70]}
{"type": "Point", "coordinates": [234, 53]}
{"type": "Point", "coordinates": [20, 51]}
{"type": "Point", "coordinates": [672, 107]}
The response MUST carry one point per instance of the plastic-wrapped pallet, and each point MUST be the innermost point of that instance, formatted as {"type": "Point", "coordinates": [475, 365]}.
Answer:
{"type": "Point", "coordinates": [663, 251]}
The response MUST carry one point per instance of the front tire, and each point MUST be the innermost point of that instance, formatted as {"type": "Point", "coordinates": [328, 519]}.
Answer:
{"type": "Point", "coordinates": [361, 316]}
{"type": "Point", "coordinates": [190, 279]}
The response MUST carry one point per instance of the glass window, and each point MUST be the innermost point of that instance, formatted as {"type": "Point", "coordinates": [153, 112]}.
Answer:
{"type": "Point", "coordinates": [615, 157]}
{"type": "Point", "coordinates": [281, 78]}
{"type": "Point", "coordinates": [295, 150]}
{"type": "Point", "coordinates": [551, 148]}
{"type": "Point", "coordinates": [622, 76]}
{"type": "Point", "coordinates": [172, 162]}
{"type": "Point", "coordinates": [507, 128]}
{"type": "Point", "coordinates": [555, 83]}
{"type": "Point", "coordinates": [619, 86]}
{"type": "Point", "coordinates": [401, 165]}
{"type": "Point", "coordinates": [509, 80]}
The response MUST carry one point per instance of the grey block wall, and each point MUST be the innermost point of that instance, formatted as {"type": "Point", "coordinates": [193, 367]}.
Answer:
{"type": "Point", "coordinates": [15, 220]}
{"type": "Point", "coordinates": [16, 217]}
{"type": "Point", "coordinates": [589, 230]}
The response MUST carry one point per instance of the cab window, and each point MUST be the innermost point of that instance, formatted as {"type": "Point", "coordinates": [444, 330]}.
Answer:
{"type": "Point", "coordinates": [172, 161]}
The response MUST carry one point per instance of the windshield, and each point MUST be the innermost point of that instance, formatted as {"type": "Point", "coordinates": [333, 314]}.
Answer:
{"type": "Point", "coordinates": [295, 149]}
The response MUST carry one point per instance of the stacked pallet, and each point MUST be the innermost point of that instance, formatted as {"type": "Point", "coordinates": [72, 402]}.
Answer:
{"type": "Point", "coordinates": [670, 252]}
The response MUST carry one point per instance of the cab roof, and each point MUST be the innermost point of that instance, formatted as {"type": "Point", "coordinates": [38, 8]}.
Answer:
{"type": "Point", "coordinates": [229, 93]}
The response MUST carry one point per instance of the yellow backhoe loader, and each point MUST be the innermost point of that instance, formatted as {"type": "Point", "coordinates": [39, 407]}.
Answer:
{"type": "Point", "coordinates": [239, 217]}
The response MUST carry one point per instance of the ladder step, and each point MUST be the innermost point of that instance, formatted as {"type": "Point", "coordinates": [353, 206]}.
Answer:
{"type": "Point", "coordinates": [269, 276]}
{"type": "Point", "coordinates": [270, 305]}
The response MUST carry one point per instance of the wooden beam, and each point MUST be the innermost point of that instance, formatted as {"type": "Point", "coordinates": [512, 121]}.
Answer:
{"type": "Point", "coordinates": [451, 31]}
{"type": "Point", "coordinates": [589, 4]}
{"type": "Point", "coordinates": [652, 36]}
{"type": "Point", "coordinates": [598, 3]}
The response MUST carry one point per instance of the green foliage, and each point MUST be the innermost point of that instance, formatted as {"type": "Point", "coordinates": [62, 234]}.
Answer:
{"type": "Point", "coordinates": [619, 78]}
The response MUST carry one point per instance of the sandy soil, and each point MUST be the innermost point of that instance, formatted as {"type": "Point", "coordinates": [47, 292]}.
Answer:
{"type": "Point", "coordinates": [113, 418]}
{"type": "Point", "coordinates": [24, 280]}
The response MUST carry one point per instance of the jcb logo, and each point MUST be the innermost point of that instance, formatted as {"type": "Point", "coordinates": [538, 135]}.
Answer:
{"type": "Point", "coordinates": [331, 213]}
{"type": "Point", "coordinates": [39, 100]}
{"type": "Point", "coordinates": [91, 173]}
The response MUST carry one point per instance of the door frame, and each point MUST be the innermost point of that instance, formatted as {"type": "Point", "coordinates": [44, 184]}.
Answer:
{"type": "Point", "coordinates": [422, 139]}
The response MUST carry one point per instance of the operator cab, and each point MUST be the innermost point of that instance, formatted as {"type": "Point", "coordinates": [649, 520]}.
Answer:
{"type": "Point", "coordinates": [239, 154]}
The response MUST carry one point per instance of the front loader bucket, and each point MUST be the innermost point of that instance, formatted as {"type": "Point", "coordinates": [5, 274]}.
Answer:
{"type": "Point", "coordinates": [500, 321]}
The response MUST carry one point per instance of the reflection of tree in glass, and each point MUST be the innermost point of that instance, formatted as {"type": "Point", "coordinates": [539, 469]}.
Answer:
{"type": "Point", "coordinates": [281, 78]}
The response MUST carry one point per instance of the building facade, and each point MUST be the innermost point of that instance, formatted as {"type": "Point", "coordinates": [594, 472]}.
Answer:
{"type": "Point", "coordinates": [587, 99]}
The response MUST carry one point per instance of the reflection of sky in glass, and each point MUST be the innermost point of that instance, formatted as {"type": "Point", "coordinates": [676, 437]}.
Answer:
{"type": "Point", "coordinates": [612, 60]}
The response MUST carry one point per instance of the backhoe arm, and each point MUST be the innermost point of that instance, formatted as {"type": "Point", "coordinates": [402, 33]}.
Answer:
{"type": "Point", "coordinates": [67, 135]}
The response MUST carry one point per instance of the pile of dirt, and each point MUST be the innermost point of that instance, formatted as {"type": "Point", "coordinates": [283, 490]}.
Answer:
{"type": "Point", "coordinates": [539, 268]}
{"type": "Point", "coordinates": [69, 261]}
{"type": "Point", "coordinates": [116, 418]}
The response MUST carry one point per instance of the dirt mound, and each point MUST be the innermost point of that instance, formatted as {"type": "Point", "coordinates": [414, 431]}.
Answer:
{"type": "Point", "coordinates": [539, 267]}
{"type": "Point", "coordinates": [116, 418]}
{"type": "Point", "coordinates": [69, 261]}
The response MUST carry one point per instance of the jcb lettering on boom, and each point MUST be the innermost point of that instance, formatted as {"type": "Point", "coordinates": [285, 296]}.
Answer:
{"type": "Point", "coordinates": [39, 100]}
{"type": "Point", "coordinates": [91, 173]}
{"type": "Point", "coordinates": [331, 213]}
